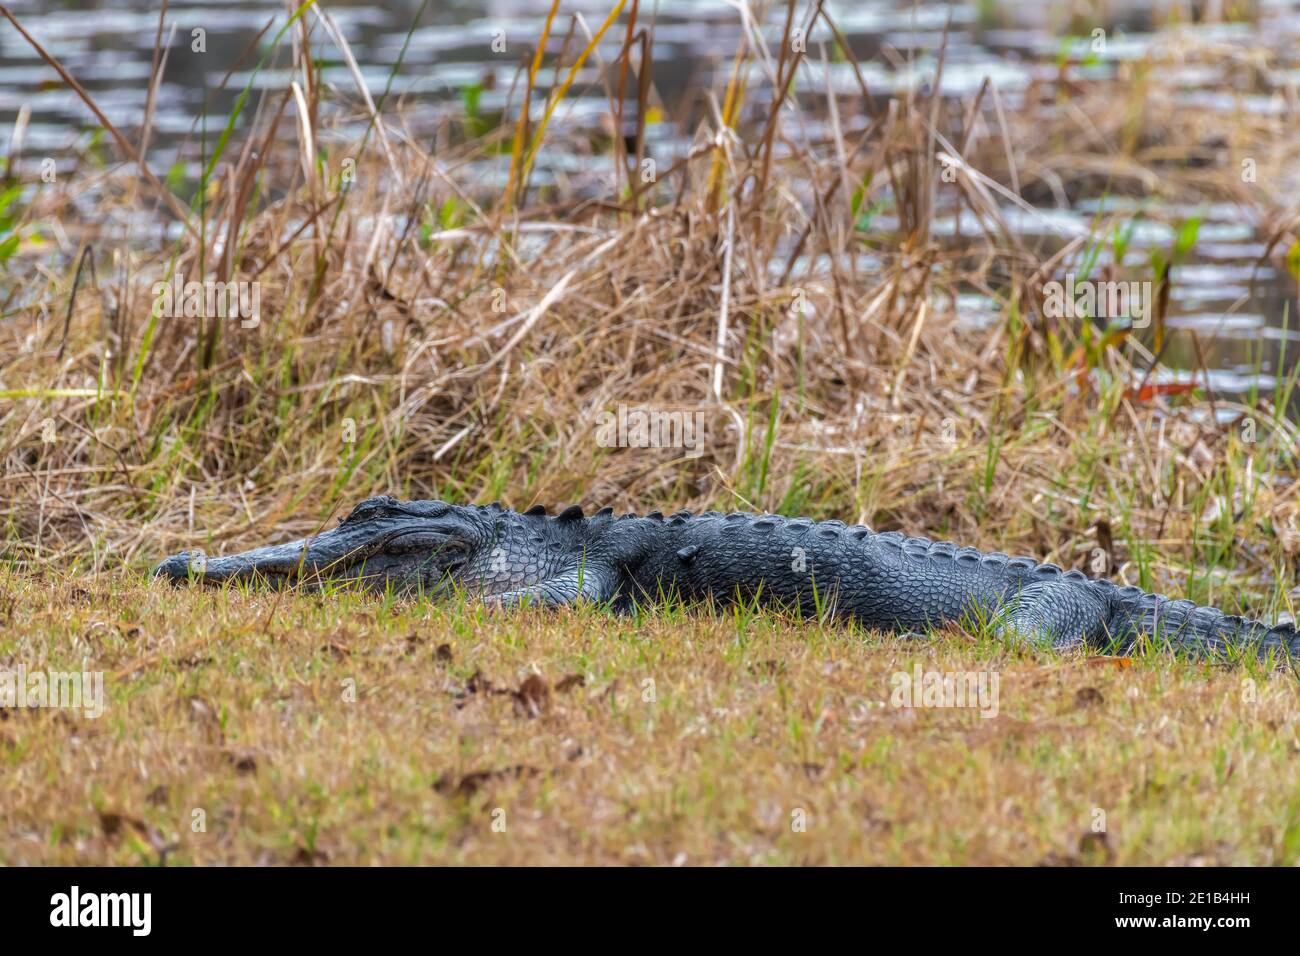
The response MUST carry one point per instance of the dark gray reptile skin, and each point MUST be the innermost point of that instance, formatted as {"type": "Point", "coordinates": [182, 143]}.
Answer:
{"type": "Point", "coordinates": [882, 580]}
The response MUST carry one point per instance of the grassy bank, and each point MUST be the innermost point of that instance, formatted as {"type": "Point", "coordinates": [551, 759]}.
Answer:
{"type": "Point", "coordinates": [287, 729]}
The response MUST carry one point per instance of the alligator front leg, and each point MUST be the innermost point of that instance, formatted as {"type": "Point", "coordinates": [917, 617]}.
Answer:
{"type": "Point", "coordinates": [590, 582]}
{"type": "Point", "coordinates": [1060, 614]}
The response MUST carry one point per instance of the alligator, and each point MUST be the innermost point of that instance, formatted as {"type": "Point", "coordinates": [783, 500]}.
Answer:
{"type": "Point", "coordinates": [881, 580]}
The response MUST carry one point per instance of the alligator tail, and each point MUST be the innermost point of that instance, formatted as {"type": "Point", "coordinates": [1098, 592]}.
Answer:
{"type": "Point", "coordinates": [1180, 625]}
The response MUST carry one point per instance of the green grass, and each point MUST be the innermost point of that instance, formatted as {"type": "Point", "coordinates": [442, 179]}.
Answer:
{"type": "Point", "coordinates": [287, 728]}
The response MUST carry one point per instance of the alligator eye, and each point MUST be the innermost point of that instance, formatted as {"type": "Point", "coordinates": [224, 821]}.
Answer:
{"type": "Point", "coordinates": [370, 508]}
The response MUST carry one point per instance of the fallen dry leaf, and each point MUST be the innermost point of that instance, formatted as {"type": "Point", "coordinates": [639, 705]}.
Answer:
{"type": "Point", "coordinates": [570, 681]}
{"type": "Point", "coordinates": [533, 696]}
{"type": "Point", "coordinates": [242, 759]}
{"type": "Point", "coordinates": [1103, 660]}
{"type": "Point", "coordinates": [471, 783]}
{"type": "Point", "coordinates": [1088, 697]}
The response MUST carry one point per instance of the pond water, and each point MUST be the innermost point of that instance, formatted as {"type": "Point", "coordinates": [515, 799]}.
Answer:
{"type": "Point", "coordinates": [463, 54]}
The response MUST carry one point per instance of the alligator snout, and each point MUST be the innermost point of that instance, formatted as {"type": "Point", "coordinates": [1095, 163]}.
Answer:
{"type": "Point", "coordinates": [276, 565]}
{"type": "Point", "coordinates": [179, 567]}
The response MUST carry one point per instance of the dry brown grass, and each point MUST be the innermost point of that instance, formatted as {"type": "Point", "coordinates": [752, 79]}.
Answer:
{"type": "Point", "coordinates": [474, 365]}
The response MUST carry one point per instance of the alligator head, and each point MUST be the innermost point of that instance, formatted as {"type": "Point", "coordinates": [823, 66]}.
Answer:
{"type": "Point", "coordinates": [384, 543]}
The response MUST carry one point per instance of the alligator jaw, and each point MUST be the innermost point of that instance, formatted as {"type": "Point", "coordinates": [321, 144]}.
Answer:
{"type": "Point", "coordinates": [276, 566]}
{"type": "Point", "coordinates": [338, 555]}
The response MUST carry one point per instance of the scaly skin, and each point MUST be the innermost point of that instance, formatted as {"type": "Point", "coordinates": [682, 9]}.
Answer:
{"type": "Point", "coordinates": [881, 580]}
